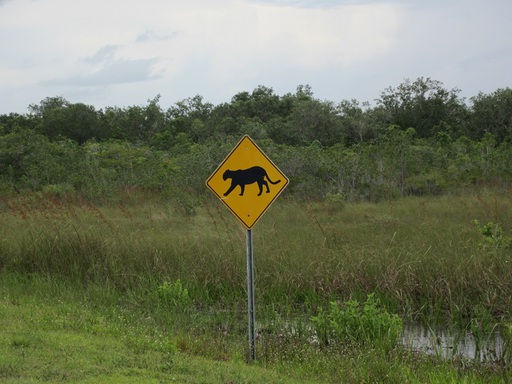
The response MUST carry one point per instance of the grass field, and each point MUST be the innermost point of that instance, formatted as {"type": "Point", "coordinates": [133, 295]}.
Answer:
{"type": "Point", "coordinates": [148, 292]}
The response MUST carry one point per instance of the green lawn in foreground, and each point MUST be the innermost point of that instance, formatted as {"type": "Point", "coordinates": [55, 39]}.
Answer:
{"type": "Point", "coordinates": [50, 334]}
{"type": "Point", "coordinates": [54, 340]}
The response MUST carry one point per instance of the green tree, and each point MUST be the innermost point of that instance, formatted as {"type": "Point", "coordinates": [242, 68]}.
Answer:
{"type": "Point", "coordinates": [28, 160]}
{"type": "Point", "coordinates": [312, 120]}
{"type": "Point", "coordinates": [396, 159]}
{"type": "Point", "coordinates": [424, 105]}
{"type": "Point", "coordinates": [135, 124]}
{"type": "Point", "coordinates": [359, 122]}
{"type": "Point", "coordinates": [492, 114]}
{"type": "Point", "coordinates": [262, 104]}
{"type": "Point", "coordinates": [60, 118]}
{"type": "Point", "coordinates": [190, 116]}
{"type": "Point", "coordinates": [119, 164]}
{"type": "Point", "coordinates": [14, 122]}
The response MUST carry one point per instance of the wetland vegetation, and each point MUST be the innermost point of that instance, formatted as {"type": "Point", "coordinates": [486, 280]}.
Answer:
{"type": "Point", "coordinates": [334, 286]}
{"type": "Point", "coordinates": [118, 265]}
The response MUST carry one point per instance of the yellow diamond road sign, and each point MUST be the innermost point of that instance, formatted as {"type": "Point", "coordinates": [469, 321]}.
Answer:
{"type": "Point", "coordinates": [247, 182]}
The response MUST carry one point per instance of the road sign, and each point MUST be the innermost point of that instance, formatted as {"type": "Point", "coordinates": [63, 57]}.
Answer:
{"type": "Point", "coordinates": [247, 182]}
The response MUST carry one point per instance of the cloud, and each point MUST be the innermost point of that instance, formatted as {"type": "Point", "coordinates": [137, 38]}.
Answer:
{"type": "Point", "coordinates": [114, 72]}
{"type": "Point", "coordinates": [104, 53]}
{"type": "Point", "coordinates": [215, 49]}
{"type": "Point", "coordinates": [107, 66]}
{"type": "Point", "coordinates": [149, 35]}
{"type": "Point", "coordinates": [113, 51]}
{"type": "Point", "coordinates": [294, 3]}
{"type": "Point", "coordinates": [265, 35]}
{"type": "Point", "coordinates": [329, 4]}
{"type": "Point", "coordinates": [309, 3]}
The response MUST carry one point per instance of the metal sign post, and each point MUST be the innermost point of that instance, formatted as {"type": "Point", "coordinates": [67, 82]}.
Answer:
{"type": "Point", "coordinates": [250, 297]}
{"type": "Point", "coordinates": [247, 166]}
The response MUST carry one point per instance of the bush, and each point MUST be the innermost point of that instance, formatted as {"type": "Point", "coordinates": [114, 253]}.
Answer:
{"type": "Point", "coordinates": [174, 294]}
{"type": "Point", "coordinates": [493, 235]}
{"type": "Point", "coordinates": [353, 324]}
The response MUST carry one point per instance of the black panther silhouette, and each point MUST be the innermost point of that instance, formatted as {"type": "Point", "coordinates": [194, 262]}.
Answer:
{"type": "Point", "coordinates": [242, 177]}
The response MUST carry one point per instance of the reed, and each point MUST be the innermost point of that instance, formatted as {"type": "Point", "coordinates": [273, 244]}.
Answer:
{"type": "Point", "coordinates": [423, 257]}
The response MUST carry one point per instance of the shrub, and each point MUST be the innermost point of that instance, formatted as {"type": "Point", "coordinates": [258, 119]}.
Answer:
{"type": "Point", "coordinates": [354, 324]}
{"type": "Point", "coordinates": [493, 235]}
{"type": "Point", "coordinates": [335, 201]}
{"type": "Point", "coordinates": [174, 294]}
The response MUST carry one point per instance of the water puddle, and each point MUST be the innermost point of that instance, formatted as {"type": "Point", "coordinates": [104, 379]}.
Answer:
{"type": "Point", "coordinates": [444, 343]}
{"type": "Point", "coordinates": [448, 345]}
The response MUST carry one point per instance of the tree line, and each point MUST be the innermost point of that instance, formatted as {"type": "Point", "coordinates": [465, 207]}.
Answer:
{"type": "Point", "coordinates": [418, 138]}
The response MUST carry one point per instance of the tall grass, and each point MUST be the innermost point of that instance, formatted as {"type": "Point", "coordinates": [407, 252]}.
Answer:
{"type": "Point", "coordinates": [421, 256]}
{"type": "Point", "coordinates": [425, 255]}
{"type": "Point", "coordinates": [183, 273]}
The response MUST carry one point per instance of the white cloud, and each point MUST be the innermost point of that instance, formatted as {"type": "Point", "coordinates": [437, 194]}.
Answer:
{"type": "Point", "coordinates": [251, 38]}
{"type": "Point", "coordinates": [113, 72]}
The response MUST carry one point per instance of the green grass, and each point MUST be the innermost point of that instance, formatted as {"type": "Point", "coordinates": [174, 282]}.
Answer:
{"type": "Point", "coordinates": [145, 292]}
{"type": "Point", "coordinates": [59, 332]}
{"type": "Point", "coordinates": [55, 333]}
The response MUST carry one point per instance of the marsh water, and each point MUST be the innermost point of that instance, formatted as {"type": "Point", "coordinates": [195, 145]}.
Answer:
{"type": "Point", "coordinates": [445, 343]}
{"type": "Point", "coordinates": [448, 344]}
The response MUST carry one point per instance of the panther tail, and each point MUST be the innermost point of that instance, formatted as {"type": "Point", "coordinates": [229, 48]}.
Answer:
{"type": "Point", "coordinates": [272, 182]}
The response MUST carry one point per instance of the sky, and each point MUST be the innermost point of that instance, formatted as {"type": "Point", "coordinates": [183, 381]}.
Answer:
{"type": "Point", "coordinates": [121, 53]}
